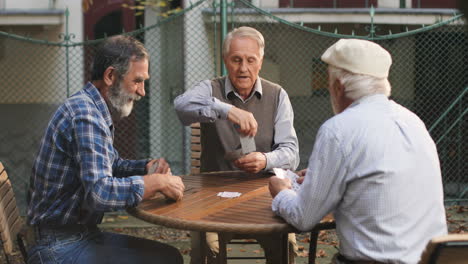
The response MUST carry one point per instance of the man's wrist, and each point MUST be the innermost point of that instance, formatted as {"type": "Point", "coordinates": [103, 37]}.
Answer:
{"type": "Point", "coordinates": [266, 161]}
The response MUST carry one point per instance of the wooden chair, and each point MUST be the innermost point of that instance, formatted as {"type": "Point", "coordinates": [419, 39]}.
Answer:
{"type": "Point", "coordinates": [327, 223]}
{"type": "Point", "coordinates": [195, 154]}
{"type": "Point", "coordinates": [195, 148]}
{"type": "Point", "coordinates": [11, 225]}
{"type": "Point", "coordinates": [448, 249]}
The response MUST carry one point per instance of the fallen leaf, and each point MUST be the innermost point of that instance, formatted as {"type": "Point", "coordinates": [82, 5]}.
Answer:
{"type": "Point", "coordinates": [321, 253]}
{"type": "Point", "coordinates": [462, 209]}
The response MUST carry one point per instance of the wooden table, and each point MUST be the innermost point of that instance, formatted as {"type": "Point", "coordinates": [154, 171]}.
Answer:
{"type": "Point", "coordinates": [202, 210]}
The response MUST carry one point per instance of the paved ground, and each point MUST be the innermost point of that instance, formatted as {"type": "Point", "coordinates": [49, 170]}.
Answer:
{"type": "Point", "coordinates": [457, 218]}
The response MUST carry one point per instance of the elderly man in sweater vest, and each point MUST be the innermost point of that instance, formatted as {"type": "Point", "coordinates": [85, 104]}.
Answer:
{"type": "Point", "coordinates": [241, 105]}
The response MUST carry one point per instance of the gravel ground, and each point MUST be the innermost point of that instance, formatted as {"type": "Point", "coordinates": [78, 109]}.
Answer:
{"type": "Point", "coordinates": [457, 219]}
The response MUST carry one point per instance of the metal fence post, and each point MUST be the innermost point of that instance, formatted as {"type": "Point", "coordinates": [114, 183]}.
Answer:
{"type": "Point", "coordinates": [223, 32]}
{"type": "Point", "coordinates": [67, 39]}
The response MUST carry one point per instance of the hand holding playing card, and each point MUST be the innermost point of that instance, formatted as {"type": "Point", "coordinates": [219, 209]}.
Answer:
{"type": "Point", "coordinates": [252, 162]}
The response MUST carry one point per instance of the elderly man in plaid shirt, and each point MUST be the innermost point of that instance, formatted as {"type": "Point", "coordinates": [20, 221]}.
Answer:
{"type": "Point", "coordinates": [78, 174]}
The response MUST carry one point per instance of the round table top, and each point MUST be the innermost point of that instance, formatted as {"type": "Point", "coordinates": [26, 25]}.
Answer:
{"type": "Point", "coordinates": [201, 209]}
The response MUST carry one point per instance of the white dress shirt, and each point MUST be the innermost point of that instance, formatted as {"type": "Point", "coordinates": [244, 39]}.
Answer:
{"type": "Point", "coordinates": [198, 105]}
{"type": "Point", "coordinates": [376, 168]}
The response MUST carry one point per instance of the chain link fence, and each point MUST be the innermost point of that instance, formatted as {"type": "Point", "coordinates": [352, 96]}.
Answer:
{"type": "Point", "coordinates": [428, 76]}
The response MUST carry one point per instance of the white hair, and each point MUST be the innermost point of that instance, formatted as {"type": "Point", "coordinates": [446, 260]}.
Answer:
{"type": "Point", "coordinates": [244, 32]}
{"type": "Point", "coordinates": [359, 85]}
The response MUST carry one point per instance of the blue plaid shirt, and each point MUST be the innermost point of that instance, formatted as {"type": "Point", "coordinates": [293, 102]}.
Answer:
{"type": "Point", "coordinates": [78, 173]}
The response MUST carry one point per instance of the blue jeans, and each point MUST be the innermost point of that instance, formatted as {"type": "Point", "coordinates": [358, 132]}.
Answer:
{"type": "Point", "coordinates": [90, 245]}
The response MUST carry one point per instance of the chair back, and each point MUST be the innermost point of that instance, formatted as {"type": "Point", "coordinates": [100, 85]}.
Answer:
{"type": "Point", "coordinates": [10, 220]}
{"type": "Point", "coordinates": [448, 249]}
{"type": "Point", "coordinates": [195, 148]}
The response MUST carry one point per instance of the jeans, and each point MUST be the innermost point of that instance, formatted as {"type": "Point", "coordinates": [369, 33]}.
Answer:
{"type": "Point", "coordinates": [90, 245]}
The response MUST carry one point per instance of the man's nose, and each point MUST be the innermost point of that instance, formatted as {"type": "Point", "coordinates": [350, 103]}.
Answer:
{"type": "Point", "coordinates": [141, 90]}
{"type": "Point", "coordinates": [243, 66]}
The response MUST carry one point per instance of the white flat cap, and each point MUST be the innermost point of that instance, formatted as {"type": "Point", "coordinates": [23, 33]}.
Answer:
{"type": "Point", "coordinates": [359, 56]}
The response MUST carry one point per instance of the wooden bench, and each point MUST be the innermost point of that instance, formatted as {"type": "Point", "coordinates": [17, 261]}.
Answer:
{"type": "Point", "coordinates": [12, 227]}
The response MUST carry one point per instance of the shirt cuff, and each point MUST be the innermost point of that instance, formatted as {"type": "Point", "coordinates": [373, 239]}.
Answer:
{"type": "Point", "coordinates": [138, 189]}
{"type": "Point", "coordinates": [140, 166]}
{"type": "Point", "coordinates": [221, 109]}
{"type": "Point", "coordinates": [269, 164]}
{"type": "Point", "coordinates": [276, 203]}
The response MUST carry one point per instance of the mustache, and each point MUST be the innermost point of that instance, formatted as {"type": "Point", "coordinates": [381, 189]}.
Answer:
{"type": "Point", "coordinates": [134, 97]}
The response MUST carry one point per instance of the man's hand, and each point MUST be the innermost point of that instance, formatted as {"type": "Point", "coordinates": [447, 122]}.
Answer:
{"type": "Point", "coordinates": [277, 184]}
{"type": "Point", "coordinates": [246, 121]}
{"type": "Point", "coordinates": [252, 162]}
{"type": "Point", "coordinates": [171, 186]}
{"type": "Point", "coordinates": [162, 166]}
{"type": "Point", "coordinates": [301, 175]}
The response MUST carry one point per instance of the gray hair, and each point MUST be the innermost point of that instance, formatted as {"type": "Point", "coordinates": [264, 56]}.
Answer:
{"type": "Point", "coordinates": [244, 32]}
{"type": "Point", "coordinates": [117, 51]}
{"type": "Point", "coordinates": [359, 85]}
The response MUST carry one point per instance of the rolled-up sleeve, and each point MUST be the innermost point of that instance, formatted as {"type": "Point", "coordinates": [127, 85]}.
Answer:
{"type": "Point", "coordinates": [198, 105]}
{"type": "Point", "coordinates": [125, 167]}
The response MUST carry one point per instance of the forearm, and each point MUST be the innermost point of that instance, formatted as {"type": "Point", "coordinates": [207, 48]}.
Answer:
{"type": "Point", "coordinates": [287, 205]}
{"type": "Point", "coordinates": [198, 105]}
{"type": "Point", "coordinates": [285, 156]}
{"type": "Point", "coordinates": [111, 193]}
{"type": "Point", "coordinates": [323, 186]}
{"type": "Point", "coordinates": [125, 168]}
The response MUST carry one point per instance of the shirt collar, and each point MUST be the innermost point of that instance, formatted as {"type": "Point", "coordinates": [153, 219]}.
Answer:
{"type": "Point", "coordinates": [99, 101]}
{"type": "Point", "coordinates": [258, 90]}
{"type": "Point", "coordinates": [369, 98]}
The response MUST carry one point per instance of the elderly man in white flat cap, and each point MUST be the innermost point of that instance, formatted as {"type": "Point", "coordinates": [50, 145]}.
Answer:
{"type": "Point", "coordinates": [374, 165]}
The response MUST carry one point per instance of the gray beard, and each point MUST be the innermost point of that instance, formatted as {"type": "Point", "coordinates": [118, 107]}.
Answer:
{"type": "Point", "coordinates": [120, 101]}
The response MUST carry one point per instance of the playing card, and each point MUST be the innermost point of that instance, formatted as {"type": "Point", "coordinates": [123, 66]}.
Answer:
{"type": "Point", "coordinates": [281, 173]}
{"type": "Point", "coordinates": [247, 144]}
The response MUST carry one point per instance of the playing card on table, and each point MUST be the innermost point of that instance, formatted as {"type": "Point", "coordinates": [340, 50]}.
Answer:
{"type": "Point", "coordinates": [229, 194]}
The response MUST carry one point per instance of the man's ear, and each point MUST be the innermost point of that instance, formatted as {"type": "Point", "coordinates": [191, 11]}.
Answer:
{"type": "Point", "coordinates": [109, 76]}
